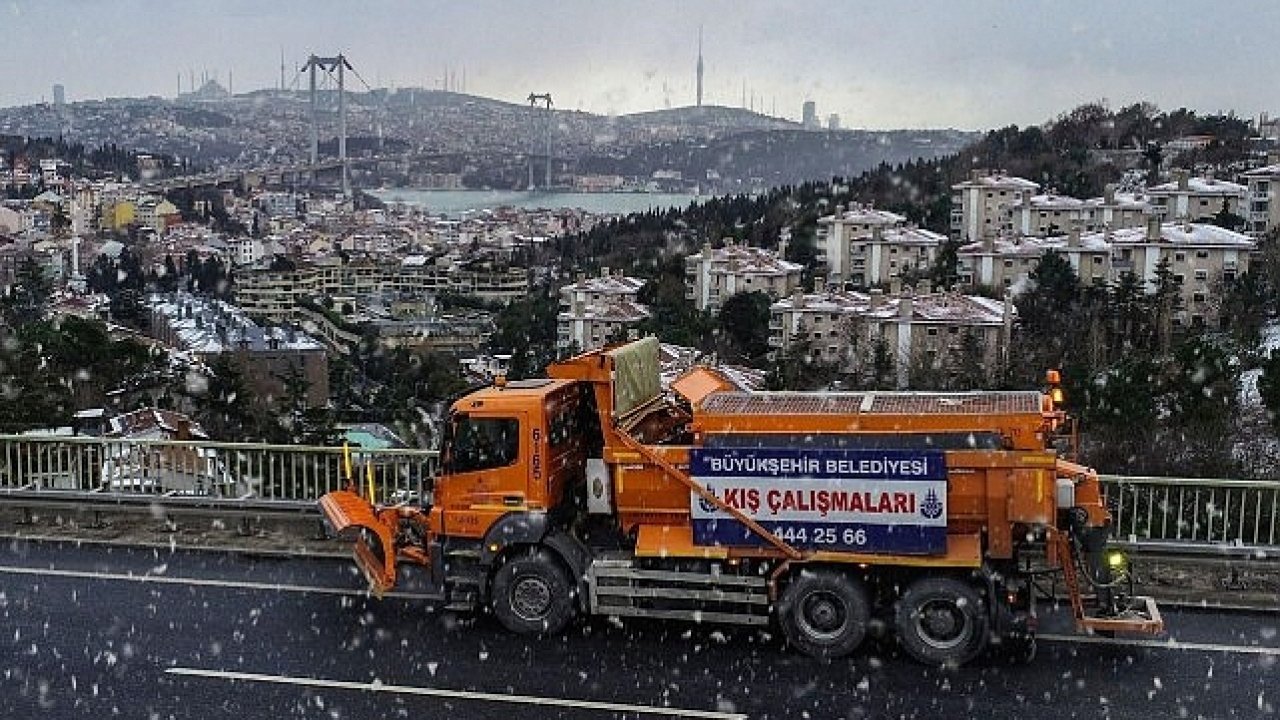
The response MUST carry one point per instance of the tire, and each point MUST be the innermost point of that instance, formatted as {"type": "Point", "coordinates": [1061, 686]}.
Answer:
{"type": "Point", "coordinates": [531, 594]}
{"type": "Point", "coordinates": [824, 613]}
{"type": "Point", "coordinates": [942, 621]}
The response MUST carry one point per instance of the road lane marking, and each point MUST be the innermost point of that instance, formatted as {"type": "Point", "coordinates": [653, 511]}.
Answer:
{"type": "Point", "coordinates": [1163, 644]}
{"type": "Point", "coordinates": [456, 694]}
{"type": "Point", "coordinates": [347, 592]}
{"type": "Point", "coordinates": [205, 582]}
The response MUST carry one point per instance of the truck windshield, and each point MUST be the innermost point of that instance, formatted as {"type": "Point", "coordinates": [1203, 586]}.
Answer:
{"type": "Point", "coordinates": [484, 443]}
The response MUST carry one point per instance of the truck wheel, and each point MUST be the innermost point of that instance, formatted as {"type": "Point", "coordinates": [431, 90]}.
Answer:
{"type": "Point", "coordinates": [531, 594]}
{"type": "Point", "coordinates": [824, 613]}
{"type": "Point", "coordinates": [942, 621]}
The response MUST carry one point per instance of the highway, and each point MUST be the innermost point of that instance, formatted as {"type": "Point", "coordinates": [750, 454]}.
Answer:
{"type": "Point", "coordinates": [98, 631]}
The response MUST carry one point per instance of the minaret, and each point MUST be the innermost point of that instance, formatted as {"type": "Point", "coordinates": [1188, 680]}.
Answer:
{"type": "Point", "coordinates": [699, 66]}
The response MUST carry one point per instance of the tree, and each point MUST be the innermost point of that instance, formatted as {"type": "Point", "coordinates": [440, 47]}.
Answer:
{"type": "Point", "coordinates": [28, 298]}
{"type": "Point", "coordinates": [301, 422]}
{"type": "Point", "coordinates": [743, 326]}
{"type": "Point", "coordinates": [1203, 393]}
{"type": "Point", "coordinates": [223, 404]}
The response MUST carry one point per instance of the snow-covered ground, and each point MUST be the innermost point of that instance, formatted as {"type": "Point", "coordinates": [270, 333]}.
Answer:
{"type": "Point", "coordinates": [1250, 398]}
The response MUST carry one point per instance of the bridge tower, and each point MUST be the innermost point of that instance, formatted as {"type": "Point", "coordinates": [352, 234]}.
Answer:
{"type": "Point", "coordinates": [541, 112]}
{"type": "Point", "coordinates": [333, 67]}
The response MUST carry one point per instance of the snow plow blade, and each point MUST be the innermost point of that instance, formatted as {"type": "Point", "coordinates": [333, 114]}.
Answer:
{"type": "Point", "coordinates": [374, 550]}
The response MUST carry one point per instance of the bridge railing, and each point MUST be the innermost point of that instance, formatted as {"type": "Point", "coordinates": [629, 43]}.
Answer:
{"type": "Point", "coordinates": [1144, 509]}
{"type": "Point", "coordinates": [204, 468]}
{"type": "Point", "coordinates": [1198, 510]}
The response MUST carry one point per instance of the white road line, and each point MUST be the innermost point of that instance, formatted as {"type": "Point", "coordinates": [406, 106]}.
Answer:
{"type": "Point", "coordinates": [456, 694]}
{"type": "Point", "coordinates": [1163, 644]}
{"type": "Point", "coordinates": [204, 582]}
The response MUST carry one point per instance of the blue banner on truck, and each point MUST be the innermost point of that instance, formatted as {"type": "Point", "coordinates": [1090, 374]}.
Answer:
{"type": "Point", "coordinates": [871, 501]}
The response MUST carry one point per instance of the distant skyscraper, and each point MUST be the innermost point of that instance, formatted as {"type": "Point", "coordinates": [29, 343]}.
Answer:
{"type": "Point", "coordinates": [59, 95]}
{"type": "Point", "coordinates": [833, 122]}
{"type": "Point", "coordinates": [809, 118]}
{"type": "Point", "coordinates": [699, 66]}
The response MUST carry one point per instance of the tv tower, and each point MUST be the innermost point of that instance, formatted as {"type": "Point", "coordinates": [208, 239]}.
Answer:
{"type": "Point", "coordinates": [699, 66]}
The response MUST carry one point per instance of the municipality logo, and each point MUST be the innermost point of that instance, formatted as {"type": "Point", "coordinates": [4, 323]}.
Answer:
{"type": "Point", "coordinates": [706, 505]}
{"type": "Point", "coordinates": [931, 507]}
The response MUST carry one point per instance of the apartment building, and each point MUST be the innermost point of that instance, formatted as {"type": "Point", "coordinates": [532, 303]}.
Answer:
{"type": "Point", "coordinates": [919, 330]}
{"type": "Point", "coordinates": [865, 247]}
{"type": "Point", "coordinates": [1116, 210]}
{"type": "Point", "coordinates": [1046, 214]}
{"type": "Point", "coordinates": [1196, 199]}
{"type": "Point", "coordinates": [981, 206]}
{"type": "Point", "coordinates": [1203, 258]}
{"type": "Point", "coordinates": [715, 274]}
{"type": "Point", "coordinates": [1262, 211]}
{"type": "Point", "coordinates": [592, 325]}
{"type": "Point", "coordinates": [207, 329]}
{"type": "Point", "coordinates": [1005, 263]}
{"type": "Point", "coordinates": [273, 294]}
{"type": "Point", "coordinates": [594, 310]}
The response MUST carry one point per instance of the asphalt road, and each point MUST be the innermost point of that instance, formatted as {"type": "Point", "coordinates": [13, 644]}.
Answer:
{"type": "Point", "coordinates": [99, 632]}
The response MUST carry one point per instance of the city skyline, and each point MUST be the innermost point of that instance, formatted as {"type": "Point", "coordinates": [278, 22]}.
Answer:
{"type": "Point", "coordinates": [972, 65]}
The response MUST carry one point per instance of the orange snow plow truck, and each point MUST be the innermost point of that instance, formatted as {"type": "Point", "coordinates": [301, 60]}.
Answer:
{"type": "Point", "coordinates": [596, 491]}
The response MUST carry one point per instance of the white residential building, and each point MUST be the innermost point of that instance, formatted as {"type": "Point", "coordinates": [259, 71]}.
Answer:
{"type": "Point", "coordinates": [1262, 211]}
{"type": "Point", "coordinates": [715, 274]}
{"type": "Point", "coordinates": [594, 310]}
{"type": "Point", "coordinates": [592, 325]}
{"type": "Point", "coordinates": [1196, 199]}
{"type": "Point", "coordinates": [864, 246]}
{"type": "Point", "coordinates": [981, 206]}
{"type": "Point", "coordinates": [917, 330]}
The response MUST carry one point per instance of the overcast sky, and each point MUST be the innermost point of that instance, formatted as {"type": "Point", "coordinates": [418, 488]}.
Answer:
{"type": "Point", "coordinates": [969, 64]}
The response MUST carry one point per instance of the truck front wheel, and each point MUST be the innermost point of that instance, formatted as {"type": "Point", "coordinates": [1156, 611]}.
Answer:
{"type": "Point", "coordinates": [942, 621]}
{"type": "Point", "coordinates": [824, 613]}
{"type": "Point", "coordinates": [531, 594]}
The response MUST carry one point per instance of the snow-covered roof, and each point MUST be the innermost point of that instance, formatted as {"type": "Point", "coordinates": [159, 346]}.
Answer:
{"type": "Point", "coordinates": [864, 215]}
{"type": "Point", "coordinates": [998, 181]}
{"type": "Point", "coordinates": [1268, 171]}
{"type": "Point", "coordinates": [1053, 201]}
{"type": "Point", "coordinates": [1189, 234]}
{"type": "Point", "coordinates": [747, 260]}
{"type": "Point", "coordinates": [1200, 186]}
{"type": "Point", "coordinates": [1011, 245]}
{"type": "Point", "coordinates": [829, 301]}
{"type": "Point", "coordinates": [612, 311]}
{"type": "Point", "coordinates": [607, 285]}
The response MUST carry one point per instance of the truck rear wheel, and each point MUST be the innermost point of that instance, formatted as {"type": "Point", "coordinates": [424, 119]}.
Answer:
{"type": "Point", "coordinates": [824, 613]}
{"type": "Point", "coordinates": [942, 621]}
{"type": "Point", "coordinates": [531, 594]}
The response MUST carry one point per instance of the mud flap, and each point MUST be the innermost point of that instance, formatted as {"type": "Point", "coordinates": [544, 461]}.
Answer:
{"type": "Point", "coordinates": [375, 551]}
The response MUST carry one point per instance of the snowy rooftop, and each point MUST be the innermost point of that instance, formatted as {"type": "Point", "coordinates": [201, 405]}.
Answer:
{"type": "Point", "coordinates": [606, 284]}
{"type": "Point", "coordinates": [864, 215]}
{"type": "Point", "coordinates": [614, 311]}
{"type": "Point", "coordinates": [830, 301]}
{"type": "Point", "coordinates": [745, 259]}
{"type": "Point", "coordinates": [1200, 186]}
{"type": "Point", "coordinates": [1192, 234]}
{"type": "Point", "coordinates": [1053, 201]}
{"type": "Point", "coordinates": [207, 326]}
{"type": "Point", "coordinates": [998, 181]}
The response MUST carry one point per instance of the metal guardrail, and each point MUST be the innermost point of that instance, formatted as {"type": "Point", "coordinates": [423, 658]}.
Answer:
{"type": "Point", "coordinates": [170, 469]}
{"type": "Point", "coordinates": [1213, 514]}
{"type": "Point", "coordinates": [1239, 513]}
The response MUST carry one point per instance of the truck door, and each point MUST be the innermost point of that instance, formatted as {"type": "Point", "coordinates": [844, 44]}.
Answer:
{"type": "Point", "coordinates": [486, 462]}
